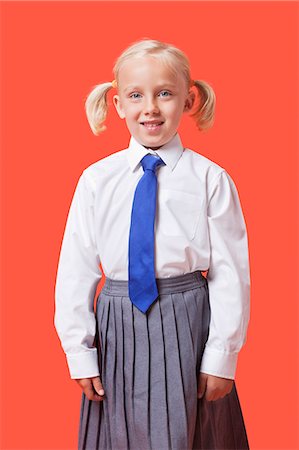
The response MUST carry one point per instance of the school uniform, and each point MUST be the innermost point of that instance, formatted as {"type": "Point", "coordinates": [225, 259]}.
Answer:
{"type": "Point", "coordinates": [149, 363]}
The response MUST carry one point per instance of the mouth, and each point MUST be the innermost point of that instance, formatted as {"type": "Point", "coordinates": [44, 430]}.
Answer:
{"type": "Point", "coordinates": [152, 124]}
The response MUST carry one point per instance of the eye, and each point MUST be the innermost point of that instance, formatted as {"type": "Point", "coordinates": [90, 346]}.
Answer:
{"type": "Point", "coordinates": [165, 92]}
{"type": "Point", "coordinates": [133, 95]}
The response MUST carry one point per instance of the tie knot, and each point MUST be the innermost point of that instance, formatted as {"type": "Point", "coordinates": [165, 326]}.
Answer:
{"type": "Point", "coordinates": [151, 162]}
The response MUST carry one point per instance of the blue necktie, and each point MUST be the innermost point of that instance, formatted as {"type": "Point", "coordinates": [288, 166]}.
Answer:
{"type": "Point", "coordinates": [142, 282]}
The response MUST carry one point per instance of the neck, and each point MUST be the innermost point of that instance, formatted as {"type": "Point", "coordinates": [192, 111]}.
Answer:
{"type": "Point", "coordinates": [153, 148]}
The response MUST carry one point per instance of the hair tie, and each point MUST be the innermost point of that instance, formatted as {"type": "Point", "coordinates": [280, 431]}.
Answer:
{"type": "Point", "coordinates": [114, 83]}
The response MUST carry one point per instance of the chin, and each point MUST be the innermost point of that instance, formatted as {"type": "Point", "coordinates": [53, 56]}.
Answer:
{"type": "Point", "coordinates": [154, 142]}
{"type": "Point", "coordinates": [153, 146]}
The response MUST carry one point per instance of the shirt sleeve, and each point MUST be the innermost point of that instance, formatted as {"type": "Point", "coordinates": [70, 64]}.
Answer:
{"type": "Point", "coordinates": [228, 279]}
{"type": "Point", "coordinates": [78, 275]}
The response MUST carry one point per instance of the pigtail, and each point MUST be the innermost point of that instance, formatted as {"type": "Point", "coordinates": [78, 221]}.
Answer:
{"type": "Point", "coordinates": [96, 107]}
{"type": "Point", "coordinates": [204, 113]}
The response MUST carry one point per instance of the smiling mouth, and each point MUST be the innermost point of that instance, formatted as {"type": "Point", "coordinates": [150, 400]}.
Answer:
{"type": "Point", "coordinates": [152, 125]}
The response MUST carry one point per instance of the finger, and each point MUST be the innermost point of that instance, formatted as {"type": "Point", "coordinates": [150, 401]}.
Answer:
{"type": "Point", "coordinates": [212, 389]}
{"type": "Point", "coordinates": [231, 387]}
{"type": "Point", "coordinates": [91, 393]}
{"type": "Point", "coordinates": [214, 393]}
{"type": "Point", "coordinates": [202, 385]}
{"type": "Point", "coordinates": [88, 389]}
{"type": "Point", "coordinates": [97, 384]}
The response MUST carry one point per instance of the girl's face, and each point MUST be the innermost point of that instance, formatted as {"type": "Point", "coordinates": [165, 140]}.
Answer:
{"type": "Point", "coordinates": [152, 100]}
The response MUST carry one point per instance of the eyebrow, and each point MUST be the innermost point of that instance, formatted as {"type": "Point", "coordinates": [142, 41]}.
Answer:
{"type": "Point", "coordinates": [133, 87]}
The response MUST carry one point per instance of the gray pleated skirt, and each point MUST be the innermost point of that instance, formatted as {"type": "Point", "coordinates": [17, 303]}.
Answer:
{"type": "Point", "coordinates": [149, 367]}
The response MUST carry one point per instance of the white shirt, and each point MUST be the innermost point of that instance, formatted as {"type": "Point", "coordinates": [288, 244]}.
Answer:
{"type": "Point", "coordinates": [199, 226]}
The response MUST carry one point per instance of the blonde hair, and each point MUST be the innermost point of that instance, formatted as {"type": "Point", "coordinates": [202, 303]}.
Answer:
{"type": "Point", "coordinates": [96, 105]}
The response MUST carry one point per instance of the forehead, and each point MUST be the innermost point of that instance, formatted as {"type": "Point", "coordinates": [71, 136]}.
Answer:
{"type": "Point", "coordinates": [145, 69]}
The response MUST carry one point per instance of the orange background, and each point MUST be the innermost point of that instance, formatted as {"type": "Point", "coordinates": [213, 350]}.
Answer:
{"type": "Point", "coordinates": [53, 53]}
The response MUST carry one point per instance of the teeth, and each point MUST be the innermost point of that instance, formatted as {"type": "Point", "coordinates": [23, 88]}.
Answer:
{"type": "Point", "coordinates": [152, 125]}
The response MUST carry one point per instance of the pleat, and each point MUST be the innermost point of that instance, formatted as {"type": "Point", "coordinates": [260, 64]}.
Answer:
{"type": "Point", "coordinates": [105, 434]}
{"type": "Point", "coordinates": [220, 424]}
{"type": "Point", "coordinates": [149, 367]}
{"type": "Point", "coordinates": [84, 416]}
{"type": "Point", "coordinates": [141, 372]}
{"type": "Point", "coordinates": [159, 395]}
{"type": "Point", "coordinates": [128, 370]}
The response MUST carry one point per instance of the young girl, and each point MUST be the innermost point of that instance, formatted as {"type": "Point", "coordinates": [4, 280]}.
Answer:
{"type": "Point", "coordinates": [157, 359]}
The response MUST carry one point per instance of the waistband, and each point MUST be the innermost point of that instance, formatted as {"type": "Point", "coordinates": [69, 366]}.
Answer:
{"type": "Point", "coordinates": [178, 283]}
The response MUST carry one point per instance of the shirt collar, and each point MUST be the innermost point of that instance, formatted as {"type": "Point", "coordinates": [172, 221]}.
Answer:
{"type": "Point", "coordinates": [170, 152]}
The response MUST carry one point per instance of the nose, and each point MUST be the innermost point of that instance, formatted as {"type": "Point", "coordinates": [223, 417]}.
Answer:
{"type": "Point", "coordinates": [150, 105]}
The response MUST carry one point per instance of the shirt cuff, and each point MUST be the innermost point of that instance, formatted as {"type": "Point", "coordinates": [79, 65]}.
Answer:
{"type": "Point", "coordinates": [219, 364]}
{"type": "Point", "coordinates": [84, 364]}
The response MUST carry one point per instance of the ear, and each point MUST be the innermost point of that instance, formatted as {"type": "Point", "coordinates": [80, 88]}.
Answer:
{"type": "Point", "coordinates": [189, 102]}
{"type": "Point", "coordinates": [117, 104]}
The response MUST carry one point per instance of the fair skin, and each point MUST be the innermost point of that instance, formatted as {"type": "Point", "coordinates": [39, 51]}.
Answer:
{"type": "Point", "coordinates": [210, 387]}
{"type": "Point", "coordinates": [149, 92]}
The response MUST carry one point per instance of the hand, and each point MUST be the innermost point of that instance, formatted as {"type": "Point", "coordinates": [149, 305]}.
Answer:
{"type": "Point", "coordinates": [92, 388]}
{"type": "Point", "coordinates": [212, 387]}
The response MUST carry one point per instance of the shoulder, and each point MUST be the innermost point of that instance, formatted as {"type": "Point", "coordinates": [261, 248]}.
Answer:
{"type": "Point", "coordinates": [212, 174]}
{"type": "Point", "coordinates": [105, 166]}
{"type": "Point", "coordinates": [208, 168]}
